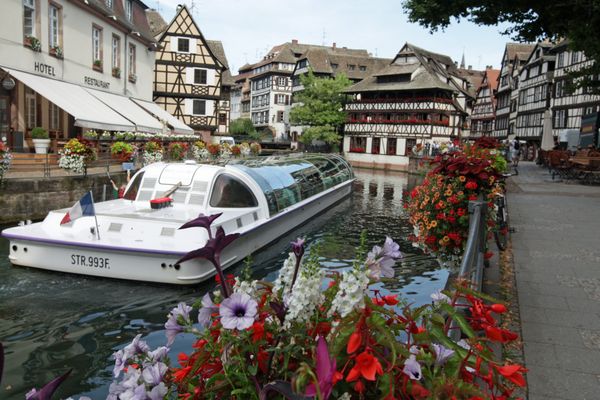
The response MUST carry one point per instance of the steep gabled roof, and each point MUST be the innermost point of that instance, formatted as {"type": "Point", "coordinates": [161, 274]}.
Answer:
{"type": "Point", "coordinates": [519, 50]}
{"type": "Point", "coordinates": [117, 13]}
{"type": "Point", "coordinates": [188, 27]}
{"type": "Point", "coordinates": [216, 46]}
{"type": "Point", "coordinates": [156, 22]}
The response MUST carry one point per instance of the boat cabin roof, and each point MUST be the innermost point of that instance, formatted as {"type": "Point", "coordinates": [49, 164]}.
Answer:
{"type": "Point", "coordinates": [280, 181]}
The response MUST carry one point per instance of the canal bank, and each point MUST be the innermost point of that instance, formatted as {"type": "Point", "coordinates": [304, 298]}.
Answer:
{"type": "Point", "coordinates": [556, 258]}
{"type": "Point", "coordinates": [31, 198]}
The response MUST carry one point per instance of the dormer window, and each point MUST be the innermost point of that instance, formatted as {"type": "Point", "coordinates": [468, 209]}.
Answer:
{"type": "Point", "coordinates": [334, 66]}
{"type": "Point", "coordinates": [183, 45]}
{"type": "Point", "coordinates": [362, 68]}
{"type": "Point", "coordinates": [351, 67]}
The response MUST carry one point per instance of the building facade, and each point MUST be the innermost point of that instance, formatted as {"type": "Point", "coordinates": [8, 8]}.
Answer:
{"type": "Point", "coordinates": [328, 62]}
{"type": "Point", "coordinates": [534, 93]}
{"type": "Point", "coordinates": [568, 107]}
{"type": "Point", "coordinates": [483, 114]}
{"type": "Point", "coordinates": [189, 74]}
{"type": "Point", "coordinates": [68, 66]}
{"type": "Point", "coordinates": [514, 57]}
{"type": "Point", "coordinates": [416, 99]}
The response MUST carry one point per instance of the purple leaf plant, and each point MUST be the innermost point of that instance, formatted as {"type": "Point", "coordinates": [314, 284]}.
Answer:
{"type": "Point", "coordinates": [213, 247]}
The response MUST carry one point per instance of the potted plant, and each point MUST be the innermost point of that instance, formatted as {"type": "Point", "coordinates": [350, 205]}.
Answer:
{"type": "Point", "coordinates": [41, 140]}
{"type": "Point", "coordinates": [5, 158]}
{"type": "Point", "coordinates": [132, 78]}
{"type": "Point", "coordinates": [116, 72]}
{"type": "Point", "coordinates": [97, 65]}
{"type": "Point", "coordinates": [33, 43]}
{"type": "Point", "coordinates": [76, 155]}
{"type": "Point", "coordinates": [57, 52]}
{"type": "Point", "coordinates": [122, 151]}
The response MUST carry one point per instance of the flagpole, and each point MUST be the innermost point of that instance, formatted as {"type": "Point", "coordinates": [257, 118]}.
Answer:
{"type": "Point", "coordinates": [95, 218]}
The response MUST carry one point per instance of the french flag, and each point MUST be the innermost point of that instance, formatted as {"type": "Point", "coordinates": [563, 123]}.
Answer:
{"type": "Point", "coordinates": [84, 207]}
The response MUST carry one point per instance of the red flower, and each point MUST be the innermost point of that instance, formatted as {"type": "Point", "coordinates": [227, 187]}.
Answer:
{"type": "Point", "coordinates": [391, 299]}
{"type": "Point", "coordinates": [180, 374]}
{"type": "Point", "coordinates": [367, 366]}
{"type": "Point", "coordinates": [354, 342]}
{"type": "Point", "coordinates": [513, 373]}
{"type": "Point", "coordinates": [498, 308]}
{"type": "Point", "coordinates": [500, 335]}
{"type": "Point", "coordinates": [472, 185]}
{"type": "Point", "coordinates": [258, 331]}
{"type": "Point", "coordinates": [488, 255]}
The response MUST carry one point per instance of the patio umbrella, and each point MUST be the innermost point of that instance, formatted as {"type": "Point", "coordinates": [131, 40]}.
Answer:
{"type": "Point", "coordinates": [547, 138]}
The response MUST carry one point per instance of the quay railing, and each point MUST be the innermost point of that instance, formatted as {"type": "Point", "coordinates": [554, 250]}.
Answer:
{"type": "Point", "coordinates": [473, 261]}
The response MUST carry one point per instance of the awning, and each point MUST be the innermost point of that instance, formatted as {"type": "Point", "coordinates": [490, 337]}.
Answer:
{"type": "Point", "coordinates": [143, 121]}
{"type": "Point", "coordinates": [178, 126]}
{"type": "Point", "coordinates": [88, 111]}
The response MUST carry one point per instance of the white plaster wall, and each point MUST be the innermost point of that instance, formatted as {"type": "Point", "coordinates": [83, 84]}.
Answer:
{"type": "Point", "coordinates": [77, 48]}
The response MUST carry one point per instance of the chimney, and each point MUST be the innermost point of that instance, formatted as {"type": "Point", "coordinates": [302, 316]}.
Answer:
{"type": "Point", "coordinates": [294, 41]}
{"type": "Point", "coordinates": [470, 67]}
{"type": "Point", "coordinates": [333, 45]}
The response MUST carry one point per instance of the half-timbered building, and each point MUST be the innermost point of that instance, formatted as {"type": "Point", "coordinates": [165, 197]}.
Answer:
{"type": "Point", "coordinates": [514, 57]}
{"type": "Point", "coordinates": [568, 106]}
{"type": "Point", "coordinates": [483, 114]}
{"type": "Point", "coordinates": [328, 62]}
{"type": "Point", "coordinates": [417, 98]}
{"type": "Point", "coordinates": [188, 76]}
{"type": "Point", "coordinates": [535, 90]}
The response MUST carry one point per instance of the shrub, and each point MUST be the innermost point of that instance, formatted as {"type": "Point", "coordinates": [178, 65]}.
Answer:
{"type": "Point", "coordinates": [39, 133]}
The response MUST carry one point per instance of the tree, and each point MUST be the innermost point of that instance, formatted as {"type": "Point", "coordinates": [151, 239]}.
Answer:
{"type": "Point", "coordinates": [321, 107]}
{"type": "Point", "coordinates": [530, 21]}
{"type": "Point", "coordinates": [242, 126]}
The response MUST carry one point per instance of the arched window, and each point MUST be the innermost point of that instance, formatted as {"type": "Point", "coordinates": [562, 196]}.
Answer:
{"type": "Point", "coordinates": [229, 192]}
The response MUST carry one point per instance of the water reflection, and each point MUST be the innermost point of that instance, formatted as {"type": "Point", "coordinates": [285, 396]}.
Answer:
{"type": "Point", "coordinates": [51, 322]}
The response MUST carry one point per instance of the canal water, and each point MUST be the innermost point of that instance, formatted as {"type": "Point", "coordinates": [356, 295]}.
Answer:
{"type": "Point", "coordinates": [52, 322]}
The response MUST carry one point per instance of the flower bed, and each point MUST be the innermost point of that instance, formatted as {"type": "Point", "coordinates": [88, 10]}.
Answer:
{"type": "Point", "coordinates": [438, 207]}
{"type": "Point", "coordinates": [317, 334]}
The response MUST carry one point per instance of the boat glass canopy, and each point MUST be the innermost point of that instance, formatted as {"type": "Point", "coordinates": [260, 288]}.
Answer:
{"type": "Point", "coordinates": [287, 180]}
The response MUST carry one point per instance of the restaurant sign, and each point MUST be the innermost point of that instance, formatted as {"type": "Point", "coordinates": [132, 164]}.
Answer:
{"type": "Point", "coordinates": [96, 82]}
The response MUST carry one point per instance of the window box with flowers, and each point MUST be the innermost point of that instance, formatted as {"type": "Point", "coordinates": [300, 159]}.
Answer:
{"type": "Point", "coordinates": [57, 52]}
{"type": "Point", "coordinates": [122, 151]}
{"type": "Point", "coordinates": [33, 43]}
{"type": "Point", "coordinates": [116, 72]}
{"type": "Point", "coordinates": [132, 78]}
{"type": "Point", "coordinates": [97, 65]}
{"type": "Point", "coordinates": [76, 155]}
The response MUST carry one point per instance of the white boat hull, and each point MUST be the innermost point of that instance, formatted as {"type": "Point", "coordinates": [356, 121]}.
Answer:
{"type": "Point", "coordinates": [103, 260]}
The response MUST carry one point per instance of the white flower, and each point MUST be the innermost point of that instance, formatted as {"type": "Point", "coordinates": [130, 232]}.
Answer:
{"type": "Point", "coordinates": [305, 296]}
{"type": "Point", "coordinates": [152, 157]}
{"type": "Point", "coordinates": [439, 297]}
{"type": "Point", "coordinates": [200, 154]}
{"type": "Point", "coordinates": [71, 161]}
{"type": "Point", "coordinates": [247, 287]}
{"type": "Point", "coordinates": [351, 293]}
{"type": "Point", "coordinates": [286, 274]}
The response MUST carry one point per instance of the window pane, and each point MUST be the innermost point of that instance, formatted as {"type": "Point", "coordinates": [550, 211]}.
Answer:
{"type": "Point", "coordinates": [132, 191]}
{"type": "Point", "coordinates": [183, 45]}
{"type": "Point", "coordinates": [229, 192]}
{"type": "Point", "coordinates": [199, 107]}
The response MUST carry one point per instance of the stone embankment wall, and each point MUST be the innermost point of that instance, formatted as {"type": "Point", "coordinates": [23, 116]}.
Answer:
{"type": "Point", "coordinates": [33, 198]}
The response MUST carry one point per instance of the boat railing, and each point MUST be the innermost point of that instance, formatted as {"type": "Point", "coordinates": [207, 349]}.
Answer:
{"type": "Point", "coordinates": [472, 264]}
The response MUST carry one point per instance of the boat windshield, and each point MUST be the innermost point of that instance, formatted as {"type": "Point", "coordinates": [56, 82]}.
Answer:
{"type": "Point", "coordinates": [288, 180]}
{"type": "Point", "coordinates": [134, 186]}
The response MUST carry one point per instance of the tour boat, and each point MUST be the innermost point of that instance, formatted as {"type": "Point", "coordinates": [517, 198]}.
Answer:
{"type": "Point", "coordinates": [137, 237]}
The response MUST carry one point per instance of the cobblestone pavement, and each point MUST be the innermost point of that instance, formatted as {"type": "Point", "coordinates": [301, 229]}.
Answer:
{"type": "Point", "coordinates": [556, 250]}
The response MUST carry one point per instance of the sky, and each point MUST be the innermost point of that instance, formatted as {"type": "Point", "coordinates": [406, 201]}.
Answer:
{"type": "Point", "coordinates": [249, 28]}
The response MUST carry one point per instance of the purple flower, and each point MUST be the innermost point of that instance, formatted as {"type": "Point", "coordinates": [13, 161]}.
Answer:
{"type": "Point", "coordinates": [181, 312]}
{"type": "Point", "coordinates": [212, 252]}
{"type": "Point", "coordinates": [441, 354]}
{"type": "Point", "coordinates": [380, 261]}
{"type": "Point", "coordinates": [120, 361]}
{"type": "Point", "coordinates": [153, 374]}
{"type": "Point", "coordinates": [158, 392]}
{"type": "Point", "coordinates": [207, 310]}
{"type": "Point", "coordinates": [391, 249]}
{"type": "Point", "coordinates": [439, 297]}
{"type": "Point", "coordinates": [203, 221]}
{"type": "Point", "coordinates": [136, 346]}
{"type": "Point", "coordinates": [412, 368]}
{"type": "Point", "coordinates": [238, 311]}
{"type": "Point", "coordinates": [158, 354]}
{"type": "Point", "coordinates": [326, 370]}
{"type": "Point", "coordinates": [32, 394]}
{"type": "Point", "coordinates": [298, 247]}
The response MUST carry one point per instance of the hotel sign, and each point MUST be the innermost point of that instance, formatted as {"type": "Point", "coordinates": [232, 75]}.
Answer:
{"type": "Point", "coordinates": [44, 69]}
{"type": "Point", "coordinates": [96, 82]}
